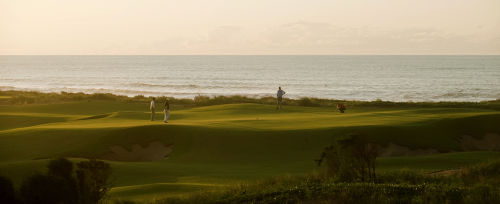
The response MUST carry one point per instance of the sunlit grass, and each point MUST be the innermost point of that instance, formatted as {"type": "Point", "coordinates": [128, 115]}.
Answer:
{"type": "Point", "coordinates": [226, 144]}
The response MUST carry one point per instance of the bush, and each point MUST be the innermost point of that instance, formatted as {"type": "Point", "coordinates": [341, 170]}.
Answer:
{"type": "Point", "coordinates": [60, 167]}
{"type": "Point", "coordinates": [323, 190]}
{"type": "Point", "coordinates": [29, 97]}
{"type": "Point", "coordinates": [483, 194]}
{"type": "Point", "coordinates": [351, 159]}
{"type": "Point", "coordinates": [63, 168]}
{"type": "Point", "coordinates": [201, 100]}
{"type": "Point", "coordinates": [7, 192]}
{"type": "Point", "coordinates": [402, 186]}
{"type": "Point", "coordinates": [61, 187]}
{"type": "Point", "coordinates": [486, 172]}
{"type": "Point", "coordinates": [46, 189]}
{"type": "Point", "coordinates": [93, 180]}
{"type": "Point", "coordinates": [405, 176]}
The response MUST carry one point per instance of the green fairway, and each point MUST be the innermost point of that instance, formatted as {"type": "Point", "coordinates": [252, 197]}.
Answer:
{"type": "Point", "coordinates": [214, 146]}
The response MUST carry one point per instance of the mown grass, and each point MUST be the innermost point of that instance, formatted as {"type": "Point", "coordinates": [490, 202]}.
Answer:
{"type": "Point", "coordinates": [229, 143]}
{"type": "Point", "coordinates": [394, 187]}
{"type": "Point", "coordinates": [140, 181]}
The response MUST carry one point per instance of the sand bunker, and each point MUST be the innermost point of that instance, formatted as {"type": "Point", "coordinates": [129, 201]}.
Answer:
{"type": "Point", "coordinates": [490, 142]}
{"type": "Point", "coordinates": [153, 152]}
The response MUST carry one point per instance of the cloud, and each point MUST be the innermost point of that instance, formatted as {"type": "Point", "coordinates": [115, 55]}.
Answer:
{"type": "Point", "coordinates": [325, 38]}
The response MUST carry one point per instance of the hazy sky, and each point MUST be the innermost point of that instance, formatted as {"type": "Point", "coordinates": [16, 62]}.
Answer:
{"type": "Point", "coordinates": [249, 27]}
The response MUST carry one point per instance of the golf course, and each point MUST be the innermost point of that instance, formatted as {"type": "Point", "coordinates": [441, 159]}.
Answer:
{"type": "Point", "coordinates": [210, 147]}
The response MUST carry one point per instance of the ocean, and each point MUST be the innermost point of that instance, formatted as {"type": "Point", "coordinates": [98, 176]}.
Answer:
{"type": "Point", "coordinates": [367, 78]}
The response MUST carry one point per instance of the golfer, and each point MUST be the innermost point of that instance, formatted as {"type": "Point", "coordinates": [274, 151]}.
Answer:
{"type": "Point", "coordinates": [166, 112]}
{"type": "Point", "coordinates": [152, 108]}
{"type": "Point", "coordinates": [279, 97]}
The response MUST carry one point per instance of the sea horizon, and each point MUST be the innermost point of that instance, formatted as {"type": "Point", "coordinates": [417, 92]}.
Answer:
{"type": "Point", "coordinates": [249, 54]}
{"type": "Point", "coordinates": [399, 78]}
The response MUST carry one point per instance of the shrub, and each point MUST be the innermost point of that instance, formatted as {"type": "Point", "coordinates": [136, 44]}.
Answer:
{"type": "Point", "coordinates": [61, 187]}
{"type": "Point", "coordinates": [93, 180]}
{"type": "Point", "coordinates": [28, 97]}
{"type": "Point", "coordinates": [40, 188]}
{"type": "Point", "coordinates": [405, 176]}
{"type": "Point", "coordinates": [402, 186]}
{"type": "Point", "coordinates": [307, 102]}
{"type": "Point", "coordinates": [63, 168]}
{"type": "Point", "coordinates": [7, 192]}
{"type": "Point", "coordinates": [304, 190]}
{"type": "Point", "coordinates": [486, 172]}
{"type": "Point", "coordinates": [483, 194]}
{"type": "Point", "coordinates": [60, 167]}
{"type": "Point", "coordinates": [201, 100]}
{"type": "Point", "coordinates": [351, 159]}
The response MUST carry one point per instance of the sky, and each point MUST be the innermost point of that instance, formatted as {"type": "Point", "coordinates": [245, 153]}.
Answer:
{"type": "Point", "coordinates": [249, 27]}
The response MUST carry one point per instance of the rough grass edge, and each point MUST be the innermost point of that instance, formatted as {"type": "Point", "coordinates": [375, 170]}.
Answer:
{"type": "Point", "coordinates": [33, 97]}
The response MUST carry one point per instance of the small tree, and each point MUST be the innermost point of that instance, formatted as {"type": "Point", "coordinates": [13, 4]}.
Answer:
{"type": "Point", "coordinates": [333, 159]}
{"type": "Point", "coordinates": [59, 186]}
{"type": "Point", "coordinates": [351, 159]}
{"type": "Point", "coordinates": [338, 163]}
{"type": "Point", "coordinates": [63, 168]}
{"type": "Point", "coordinates": [93, 180]}
{"type": "Point", "coordinates": [362, 155]}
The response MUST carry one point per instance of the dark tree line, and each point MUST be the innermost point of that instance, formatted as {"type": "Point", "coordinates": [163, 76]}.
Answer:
{"type": "Point", "coordinates": [62, 184]}
{"type": "Point", "coordinates": [351, 159]}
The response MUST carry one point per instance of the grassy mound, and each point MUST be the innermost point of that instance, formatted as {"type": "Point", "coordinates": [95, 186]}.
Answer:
{"type": "Point", "coordinates": [223, 144]}
{"type": "Point", "coordinates": [394, 187]}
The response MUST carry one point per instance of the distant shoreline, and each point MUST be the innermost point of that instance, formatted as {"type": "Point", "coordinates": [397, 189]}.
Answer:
{"type": "Point", "coordinates": [250, 96]}
{"type": "Point", "coordinates": [398, 78]}
{"type": "Point", "coordinates": [13, 97]}
{"type": "Point", "coordinates": [262, 55]}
